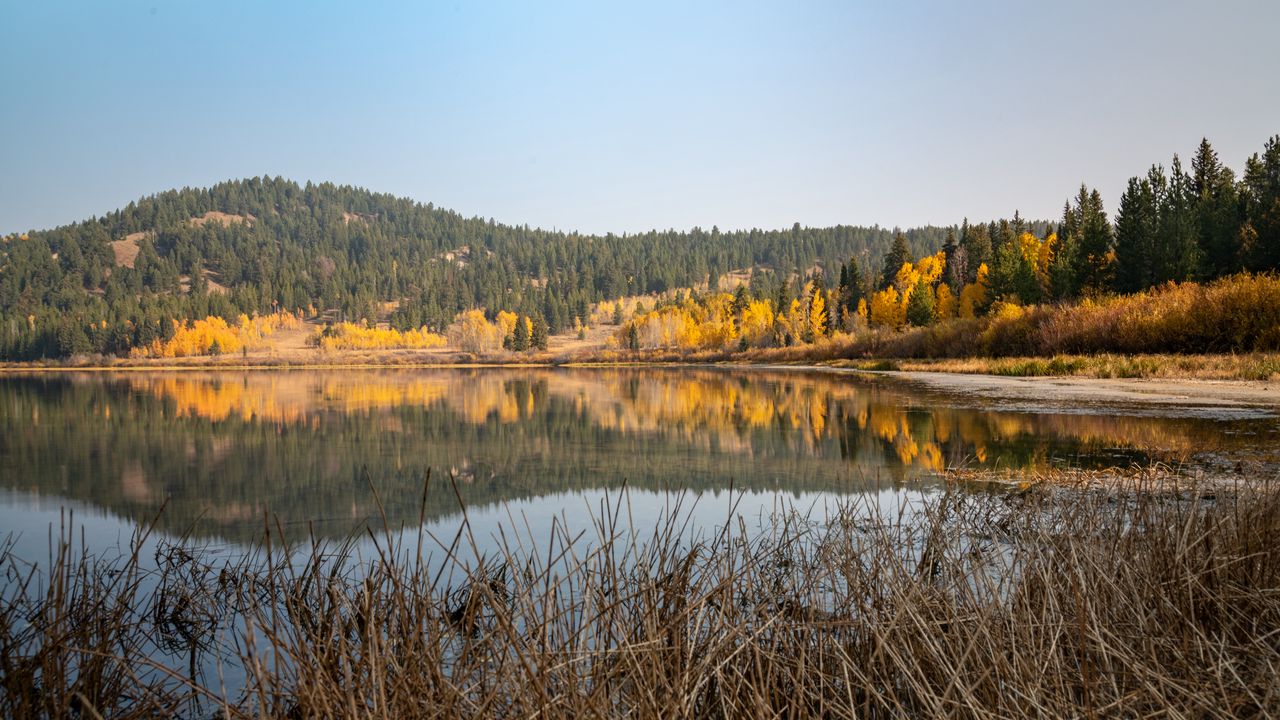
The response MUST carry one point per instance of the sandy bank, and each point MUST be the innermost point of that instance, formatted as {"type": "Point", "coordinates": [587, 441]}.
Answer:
{"type": "Point", "coordinates": [1166, 396]}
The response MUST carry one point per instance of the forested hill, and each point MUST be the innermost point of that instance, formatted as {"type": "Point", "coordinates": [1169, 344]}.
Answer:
{"type": "Point", "coordinates": [116, 282]}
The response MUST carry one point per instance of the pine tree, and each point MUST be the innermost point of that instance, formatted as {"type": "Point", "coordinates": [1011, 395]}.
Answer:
{"type": "Point", "coordinates": [1218, 214]}
{"type": "Point", "coordinates": [897, 256]}
{"type": "Point", "coordinates": [1089, 234]}
{"type": "Point", "coordinates": [854, 290]}
{"type": "Point", "coordinates": [1260, 237]}
{"type": "Point", "coordinates": [782, 300]}
{"type": "Point", "coordinates": [975, 241]}
{"type": "Point", "coordinates": [520, 335]}
{"type": "Point", "coordinates": [1179, 249]}
{"type": "Point", "coordinates": [740, 301]}
{"type": "Point", "coordinates": [949, 246]}
{"type": "Point", "coordinates": [920, 305]}
{"type": "Point", "coordinates": [540, 333]}
{"type": "Point", "coordinates": [1136, 224]}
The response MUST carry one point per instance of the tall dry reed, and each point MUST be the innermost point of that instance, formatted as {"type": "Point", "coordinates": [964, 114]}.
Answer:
{"type": "Point", "coordinates": [1030, 601]}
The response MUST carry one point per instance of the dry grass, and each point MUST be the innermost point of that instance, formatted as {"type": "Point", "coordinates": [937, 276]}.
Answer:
{"type": "Point", "coordinates": [1238, 314]}
{"type": "Point", "coordinates": [1253, 366]}
{"type": "Point", "coordinates": [220, 218]}
{"type": "Point", "coordinates": [126, 249]}
{"type": "Point", "coordinates": [1035, 601]}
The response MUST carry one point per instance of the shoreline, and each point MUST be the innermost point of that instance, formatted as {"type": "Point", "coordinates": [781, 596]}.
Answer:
{"type": "Point", "coordinates": [1188, 391]}
{"type": "Point", "coordinates": [1075, 391]}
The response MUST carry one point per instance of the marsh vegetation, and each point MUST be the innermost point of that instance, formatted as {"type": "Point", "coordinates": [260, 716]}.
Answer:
{"type": "Point", "coordinates": [1035, 600]}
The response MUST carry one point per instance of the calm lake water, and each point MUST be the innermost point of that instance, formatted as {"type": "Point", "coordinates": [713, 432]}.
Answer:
{"type": "Point", "coordinates": [211, 459]}
{"type": "Point", "coordinates": [215, 455]}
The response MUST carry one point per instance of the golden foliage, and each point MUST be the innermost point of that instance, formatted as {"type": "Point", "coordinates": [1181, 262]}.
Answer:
{"type": "Point", "coordinates": [688, 325]}
{"type": "Point", "coordinates": [756, 325]}
{"type": "Point", "coordinates": [888, 308]}
{"type": "Point", "coordinates": [350, 336]}
{"type": "Point", "coordinates": [506, 321]}
{"type": "Point", "coordinates": [472, 332]}
{"type": "Point", "coordinates": [930, 268]}
{"type": "Point", "coordinates": [817, 316]}
{"type": "Point", "coordinates": [973, 295]}
{"type": "Point", "coordinates": [945, 305]}
{"type": "Point", "coordinates": [214, 335]}
{"type": "Point", "coordinates": [697, 406]}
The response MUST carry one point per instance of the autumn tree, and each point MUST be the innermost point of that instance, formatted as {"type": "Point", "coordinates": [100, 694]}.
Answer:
{"type": "Point", "coordinates": [976, 296]}
{"type": "Point", "coordinates": [945, 305]}
{"type": "Point", "coordinates": [816, 328]}
{"type": "Point", "coordinates": [472, 332]}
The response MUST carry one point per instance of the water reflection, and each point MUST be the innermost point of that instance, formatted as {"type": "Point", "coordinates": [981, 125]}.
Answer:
{"type": "Point", "coordinates": [225, 449]}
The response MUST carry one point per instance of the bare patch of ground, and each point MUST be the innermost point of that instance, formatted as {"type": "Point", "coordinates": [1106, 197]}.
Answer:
{"type": "Point", "coordinates": [593, 339]}
{"type": "Point", "coordinates": [730, 281]}
{"type": "Point", "coordinates": [460, 255]}
{"type": "Point", "coordinates": [221, 218]}
{"type": "Point", "coordinates": [211, 283]}
{"type": "Point", "coordinates": [126, 248]}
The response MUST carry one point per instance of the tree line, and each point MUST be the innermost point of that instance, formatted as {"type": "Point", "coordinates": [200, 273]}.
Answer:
{"type": "Point", "coordinates": [1170, 226]}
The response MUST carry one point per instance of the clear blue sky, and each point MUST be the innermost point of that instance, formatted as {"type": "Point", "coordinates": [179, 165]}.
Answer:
{"type": "Point", "coordinates": [599, 116]}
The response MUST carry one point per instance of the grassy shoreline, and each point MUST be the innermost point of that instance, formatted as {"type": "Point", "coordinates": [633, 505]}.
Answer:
{"type": "Point", "coordinates": [1218, 367]}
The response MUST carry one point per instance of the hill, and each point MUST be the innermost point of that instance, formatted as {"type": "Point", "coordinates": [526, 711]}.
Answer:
{"type": "Point", "coordinates": [118, 281]}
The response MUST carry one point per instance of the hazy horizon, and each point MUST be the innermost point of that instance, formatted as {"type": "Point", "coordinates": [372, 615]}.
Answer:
{"type": "Point", "coordinates": [576, 117]}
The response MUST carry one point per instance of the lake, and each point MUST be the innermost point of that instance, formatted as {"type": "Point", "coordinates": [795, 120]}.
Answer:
{"type": "Point", "coordinates": [217, 456]}
{"type": "Point", "coordinates": [194, 467]}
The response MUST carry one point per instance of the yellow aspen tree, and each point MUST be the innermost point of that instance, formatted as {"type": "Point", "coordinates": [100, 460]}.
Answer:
{"type": "Point", "coordinates": [931, 267]}
{"type": "Point", "coordinates": [1045, 257]}
{"type": "Point", "coordinates": [757, 322]}
{"type": "Point", "coordinates": [817, 320]}
{"type": "Point", "coordinates": [975, 293]}
{"type": "Point", "coordinates": [945, 304]}
{"type": "Point", "coordinates": [884, 308]}
{"type": "Point", "coordinates": [506, 321]}
{"type": "Point", "coordinates": [472, 332]}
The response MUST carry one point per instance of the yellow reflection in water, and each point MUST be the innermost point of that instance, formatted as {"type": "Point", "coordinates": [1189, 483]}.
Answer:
{"type": "Point", "coordinates": [730, 411]}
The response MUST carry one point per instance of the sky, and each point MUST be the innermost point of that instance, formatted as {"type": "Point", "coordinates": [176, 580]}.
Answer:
{"type": "Point", "coordinates": [621, 117]}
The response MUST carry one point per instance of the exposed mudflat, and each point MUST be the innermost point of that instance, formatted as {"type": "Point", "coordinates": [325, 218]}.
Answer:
{"type": "Point", "coordinates": [1213, 399]}
{"type": "Point", "coordinates": [1202, 398]}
